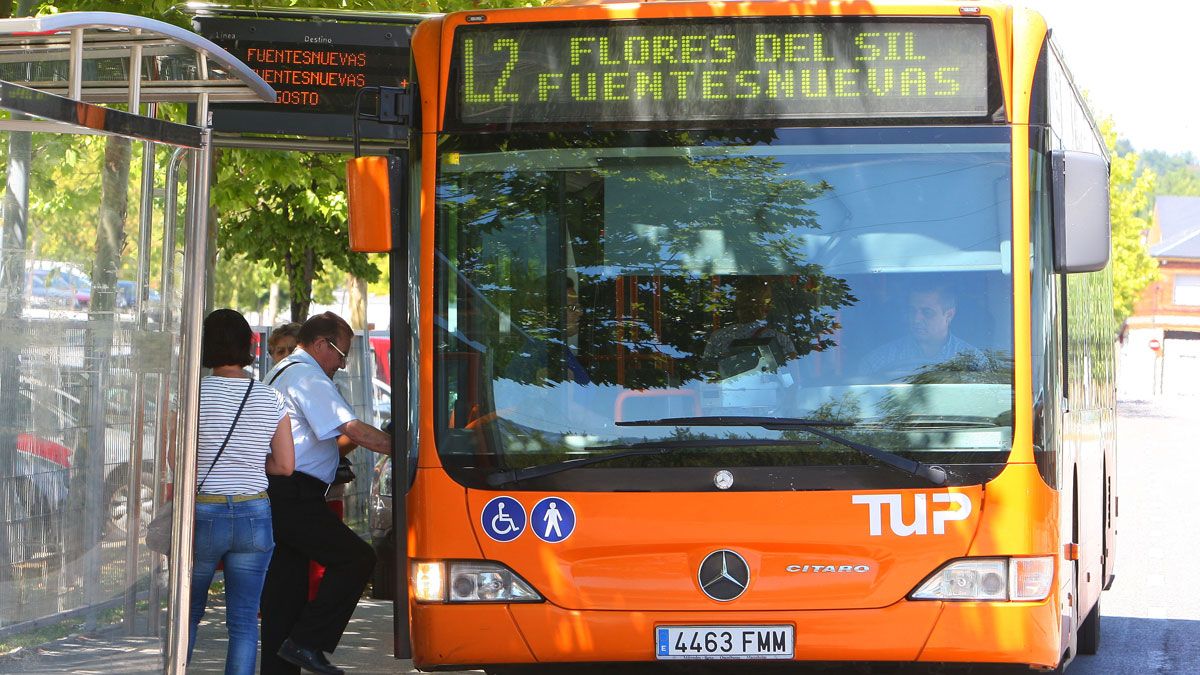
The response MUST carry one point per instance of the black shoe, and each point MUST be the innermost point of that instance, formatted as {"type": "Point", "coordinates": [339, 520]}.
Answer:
{"type": "Point", "coordinates": [312, 660]}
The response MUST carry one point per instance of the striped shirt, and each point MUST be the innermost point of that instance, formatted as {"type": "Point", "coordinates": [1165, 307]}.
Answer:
{"type": "Point", "coordinates": [241, 469]}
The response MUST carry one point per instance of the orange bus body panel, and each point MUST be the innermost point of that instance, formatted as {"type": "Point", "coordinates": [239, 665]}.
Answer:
{"type": "Point", "coordinates": [639, 551]}
{"type": "Point", "coordinates": [965, 632]}
{"type": "Point", "coordinates": [493, 636]}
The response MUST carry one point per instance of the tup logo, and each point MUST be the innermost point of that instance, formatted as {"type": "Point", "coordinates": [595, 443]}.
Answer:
{"type": "Point", "coordinates": [922, 519]}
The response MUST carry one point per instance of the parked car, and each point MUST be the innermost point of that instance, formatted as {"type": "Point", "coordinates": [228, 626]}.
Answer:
{"type": "Point", "coordinates": [126, 298]}
{"type": "Point", "coordinates": [51, 398]}
{"type": "Point", "coordinates": [117, 497]}
{"type": "Point", "coordinates": [41, 483]}
{"type": "Point", "coordinates": [37, 497]}
{"type": "Point", "coordinates": [65, 283]}
{"type": "Point", "coordinates": [44, 293]}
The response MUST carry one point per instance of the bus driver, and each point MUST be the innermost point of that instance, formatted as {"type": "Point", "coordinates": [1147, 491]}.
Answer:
{"type": "Point", "coordinates": [929, 341]}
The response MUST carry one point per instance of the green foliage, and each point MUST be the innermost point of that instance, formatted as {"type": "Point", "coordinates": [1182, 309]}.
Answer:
{"type": "Point", "coordinates": [162, 10]}
{"type": "Point", "coordinates": [1162, 162]}
{"type": "Point", "coordinates": [1130, 201]}
{"type": "Point", "coordinates": [1178, 174]}
{"type": "Point", "coordinates": [1183, 181]}
{"type": "Point", "coordinates": [287, 212]}
{"type": "Point", "coordinates": [64, 203]}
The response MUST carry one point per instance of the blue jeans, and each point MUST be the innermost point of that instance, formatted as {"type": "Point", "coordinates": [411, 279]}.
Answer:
{"type": "Point", "coordinates": [238, 533]}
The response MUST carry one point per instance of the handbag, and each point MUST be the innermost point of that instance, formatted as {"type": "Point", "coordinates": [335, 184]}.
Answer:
{"type": "Point", "coordinates": [345, 472]}
{"type": "Point", "coordinates": [158, 532]}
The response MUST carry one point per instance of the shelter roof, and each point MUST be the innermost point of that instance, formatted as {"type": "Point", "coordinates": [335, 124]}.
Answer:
{"type": "Point", "coordinates": [93, 51]}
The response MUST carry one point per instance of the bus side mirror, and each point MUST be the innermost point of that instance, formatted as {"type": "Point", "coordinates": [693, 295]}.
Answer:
{"type": "Point", "coordinates": [368, 191]}
{"type": "Point", "coordinates": [1082, 232]}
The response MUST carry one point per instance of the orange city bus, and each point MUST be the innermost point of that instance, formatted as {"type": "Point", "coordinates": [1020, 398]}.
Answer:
{"type": "Point", "coordinates": [756, 331]}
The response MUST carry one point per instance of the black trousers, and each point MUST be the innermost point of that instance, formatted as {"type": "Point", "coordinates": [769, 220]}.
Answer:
{"type": "Point", "coordinates": [305, 529]}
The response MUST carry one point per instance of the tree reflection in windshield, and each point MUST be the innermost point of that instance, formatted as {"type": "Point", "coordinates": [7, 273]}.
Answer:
{"type": "Point", "coordinates": [678, 262]}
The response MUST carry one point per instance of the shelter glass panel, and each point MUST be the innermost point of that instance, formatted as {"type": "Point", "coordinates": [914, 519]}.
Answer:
{"type": "Point", "coordinates": [90, 299]}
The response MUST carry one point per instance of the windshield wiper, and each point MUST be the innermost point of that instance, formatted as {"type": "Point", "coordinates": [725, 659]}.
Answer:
{"type": "Point", "coordinates": [930, 472]}
{"type": "Point", "coordinates": [643, 448]}
{"type": "Point", "coordinates": [918, 422]}
{"type": "Point", "coordinates": [772, 423]}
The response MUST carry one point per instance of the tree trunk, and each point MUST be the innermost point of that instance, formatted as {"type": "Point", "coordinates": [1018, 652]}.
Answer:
{"type": "Point", "coordinates": [88, 478]}
{"type": "Point", "coordinates": [302, 286]}
{"type": "Point", "coordinates": [272, 304]}
{"type": "Point", "coordinates": [358, 302]}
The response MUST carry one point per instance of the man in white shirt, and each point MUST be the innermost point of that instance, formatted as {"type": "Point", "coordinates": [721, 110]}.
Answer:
{"type": "Point", "coordinates": [297, 632]}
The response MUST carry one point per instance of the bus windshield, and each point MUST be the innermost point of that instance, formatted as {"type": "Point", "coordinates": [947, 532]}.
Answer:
{"type": "Point", "coordinates": [858, 278]}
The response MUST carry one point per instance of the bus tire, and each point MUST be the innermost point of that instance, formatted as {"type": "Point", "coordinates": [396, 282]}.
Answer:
{"type": "Point", "coordinates": [1089, 632]}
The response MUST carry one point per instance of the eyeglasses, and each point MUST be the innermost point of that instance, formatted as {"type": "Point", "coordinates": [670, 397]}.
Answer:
{"type": "Point", "coordinates": [335, 348]}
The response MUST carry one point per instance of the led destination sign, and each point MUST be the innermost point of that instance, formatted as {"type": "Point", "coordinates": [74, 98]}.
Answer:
{"type": "Point", "coordinates": [316, 67]}
{"type": "Point", "coordinates": [743, 69]}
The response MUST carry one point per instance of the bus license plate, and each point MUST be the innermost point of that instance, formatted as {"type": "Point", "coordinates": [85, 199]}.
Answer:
{"type": "Point", "coordinates": [724, 642]}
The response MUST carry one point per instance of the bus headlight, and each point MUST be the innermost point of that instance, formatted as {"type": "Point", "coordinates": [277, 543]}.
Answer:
{"type": "Point", "coordinates": [429, 581]}
{"type": "Point", "coordinates": [488, 582]}
{"type": "Point", "coordinates": [469, 581]}
{"type": "Point", "coordinates": [990, 579]}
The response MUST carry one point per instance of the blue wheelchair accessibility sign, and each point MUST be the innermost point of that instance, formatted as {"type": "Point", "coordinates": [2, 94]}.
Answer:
{"type": "Point", "coordinates": [503, 519]}
{"type": "Point", "coordinates": [552, 519]}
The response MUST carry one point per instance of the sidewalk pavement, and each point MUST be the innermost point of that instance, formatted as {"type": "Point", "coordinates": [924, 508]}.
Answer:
{"type": "Point", "coordinates": [366, 648]}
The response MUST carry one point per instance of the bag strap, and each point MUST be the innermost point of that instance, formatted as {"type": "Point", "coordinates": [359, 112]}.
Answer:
{"type": "Point", "coordinates": [280, 372]}
{"type": "Point", "coordinates": [226, 441]}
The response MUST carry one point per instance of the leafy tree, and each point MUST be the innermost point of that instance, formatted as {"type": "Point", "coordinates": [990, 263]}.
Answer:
{"type": "Point", "coordinates": [1130, 195]}
{"type": "Point", "coordinates": [281, 216]}
{"type": "Point", "coordinates": [1183, 181]}
{"type": "Point", "coordinates": [1178, 174]}
{"type": "Point", "coordinates": [506, 211]}
{"type": "Point", "coordinates": [287, 211]}
{"type": "Point", "coordinates": [1161, 162]}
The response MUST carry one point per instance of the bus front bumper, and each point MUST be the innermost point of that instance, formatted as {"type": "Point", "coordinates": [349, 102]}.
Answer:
{"type": "Point", "coordinates": [449, 637]}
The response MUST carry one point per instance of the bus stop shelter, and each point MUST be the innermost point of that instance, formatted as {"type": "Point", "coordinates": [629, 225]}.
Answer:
{"type": "Point", "coordinates": [105, 236]}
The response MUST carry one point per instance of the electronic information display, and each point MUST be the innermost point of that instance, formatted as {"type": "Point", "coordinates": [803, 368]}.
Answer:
{"type": "Point", "coordinates": [728, 70]}
{"type": "Point", "coordinates": [316, 67]}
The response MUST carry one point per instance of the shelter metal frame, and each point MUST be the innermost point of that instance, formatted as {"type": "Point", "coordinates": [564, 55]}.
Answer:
{"type": "Point", "coordinates": [183, 67]}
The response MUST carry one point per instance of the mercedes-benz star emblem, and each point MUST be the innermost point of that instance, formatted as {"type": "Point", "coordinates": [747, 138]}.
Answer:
{"type": "Point", "coordinates": [723, 575]}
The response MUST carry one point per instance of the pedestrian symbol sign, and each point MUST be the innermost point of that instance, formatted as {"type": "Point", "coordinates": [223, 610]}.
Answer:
{"type": "Point", "coordinates": [503, 519]}
{"type": "Point", "coordinates": [552, 519]}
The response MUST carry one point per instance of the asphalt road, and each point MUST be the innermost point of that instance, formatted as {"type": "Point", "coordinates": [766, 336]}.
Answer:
{"type": "Point", "coordinates": [1151, 615]}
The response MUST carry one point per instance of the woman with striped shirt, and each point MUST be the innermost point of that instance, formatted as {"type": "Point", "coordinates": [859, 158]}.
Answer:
{"type": "Point", "coordinates": [244, 435]}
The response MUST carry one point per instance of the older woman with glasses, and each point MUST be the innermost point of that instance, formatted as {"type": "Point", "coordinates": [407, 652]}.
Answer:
{"type": "Point", "coordinates": [283, 341]}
